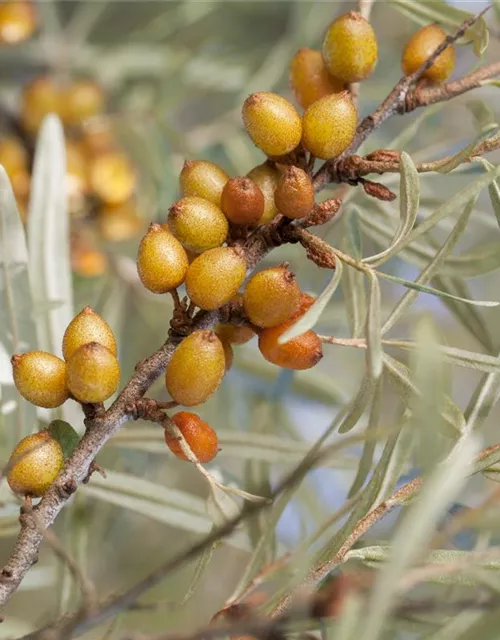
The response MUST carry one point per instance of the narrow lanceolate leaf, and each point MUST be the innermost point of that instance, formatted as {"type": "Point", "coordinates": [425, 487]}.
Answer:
{"type": "Point", "coordinates": [313, 314]}
{"type": "Point", "coordinates": [416, 529]}
{"type": "Point", "coordinates": [48, 237]}
{"type": "Point", "coordinates": [460, 357]}
{"type": "Point", "coordinates": [482, 400]}
{"type": "Point", "coordinates": [465, 153]}
{"type": "Point", "coordinates": [482, 114]}
{"type": "Point", "coordinates": [353, 281]}
{"type": "Point", "coordinates": [17, 328]}
{"type": "Point", "coordinates": [493, 189]}
{"type": "Point", "coordinates": [373, 329]}
{"type": "Point", "coordinates": [409, 198]}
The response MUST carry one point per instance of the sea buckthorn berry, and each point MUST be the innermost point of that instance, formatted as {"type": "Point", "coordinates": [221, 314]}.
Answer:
{"type": "Point", "coordinates": [203, 179]}
{"type": "Point", "coordinates": [119, 222]}
{"type": "Point", "coordinates": [215, 276]}
{"type": "Point", "coordinates": [40, 377]}
{"type": "Point", "coordinates": [310, 80]}
{"type": "Point", "coordinates": [87, 326]}
{"type": "Point", "coordinates": [89, 262]}
{"type": "Point", "coordinates": [34, 464]}
{"type": "Point", "coordinates": [162, 262]}
{"type": "Point", "coordinates": [271, 297]}
{"type": "Point", "coordinates": [272, 123]}
{"type": "Point", "coordinates": [302, 352]}
{"type": "Point", "coordinates": [40, 97]}
{"type": "Point", "coordinates": [330, 125]}
{"type": "Point", "coordinates": [350, 49]}
{"type": "Point", "coordinates": [196, 368]}
{"type": "Point", "coordinates": [242, 201]}
{"type": "Point", "coordinates": [294, 195]}
{"type": "Point", "coordinates": [234, 334]}
{"type": "Point", "coordinates": [305, 303]}
{"type": "Point", "coordinates": [97, 139]}
{"type": "Point", "coordinates": [92, 373]}
{"type": "Point", "coordinates": [421, 46]}
{"type": "Point", "coordinates": [200, 437]}
{"type": "Point", "coordinates": [13, 155]}
{"type": "Point", "coordinates": [82, 99]}
{"type": "Point", "coordinates": [18, 21]}
{"type": "Point", "coordinates": [197, 223]}
{"type": "Point", "coordinates": [112, 177]}
{"type": "Point", "coordinates": [267, 178]}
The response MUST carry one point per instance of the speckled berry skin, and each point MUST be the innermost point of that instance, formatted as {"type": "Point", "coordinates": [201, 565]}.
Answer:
{"type": "Point", "coordinates": [350, 49]}
{"type": "Point", "coordinates": [162, 261]}
{"type": "Point", "coordinates": [215, 276]}
{"type": "Point", "coordinates": [267, 179]}
{"type": "Point", "coordinates": [242, 201]}
{"type": "Point", "coordinates": [87, 326]}
{"type": "Point", "coordinates": [271, 297]}
{"type": "Point", "coordinates": [203, 179]}
{"type": "Point", "coordinates": [234, 334]}
{"type": "Point", "coordinates": [40, 377]}
{"type": "Point", "coordinates": [294, 196]}
{"type": "Point", "coordinates": [92, 373]}
{"type": "Point", "coordinates": [420, 46]}
{"type": "Point", "coordinates": [302, 352]}
{"type": "Point", "coordinates": [330, 125]}
{"type": "Point", "coordinates": [272, 123]}
{"type": "Point", "coordinates": [198, 224]}
{"type": "Point", "coordinates": [310, 79]}
{"type": "Point", "coordinates": [34, 465]}
{"type": "Point", "coordinates": [200, 437]}
{"type": "Point", "coordinates": [196, 368]}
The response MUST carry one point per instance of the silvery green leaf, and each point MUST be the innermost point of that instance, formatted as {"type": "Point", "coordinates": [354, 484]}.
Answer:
{"type": "Point", "coordinates": [461, 357]}
{"type": "Point", "coordinates": [349, 417]}
{"type": "Point", "coordinates": [313, 314]}
{"type": "Point", "coordinates": [483, 115]}
{"type": "Point", "coordinates": [493, 190]}
{"type": "Point", "coordinates": [353, 281]}
{"type": "Point", "coordinates": [374, 349]}
{"type": "Point", "coordinates": [482, 400]}
{"type": "Point", "coordinates": [460, 623]}
{"type": "Point", "coordinates": [465, 153]}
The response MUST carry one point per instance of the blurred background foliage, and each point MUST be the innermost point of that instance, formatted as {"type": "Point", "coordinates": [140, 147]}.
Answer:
{"type": "Point", "coordinates": [174, 75]}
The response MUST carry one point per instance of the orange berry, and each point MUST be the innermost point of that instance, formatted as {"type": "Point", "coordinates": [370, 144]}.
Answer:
{"type": "Point", "coordinates": [234, 334]}
{"type": "Point", "coordinates": [119, 222]}
{"type": "Point", "coordinates": [267, 178]}
{"type": "Point", "coordinates": [203, 179]}
{"type": "Point", "coordinates": [92, 373]}
{"type": "Point", "coordinates": [272, 123]}
{"type": "Point", "coordinates": [18, 21]}
{"type": "Point", "coordinates": [350, 49]}
{"type": "Point", "coordinates": [82, 99]}
{"type": "Point", "coordinates": [162, 262]}
{"type": "Point", "coordinates": [197, 223]}
{"type": "Point", "coordinates": [302, 352]}
{"type": "Point", "coordinates": [196, 368]}
{"type": "Point", "coordinates": [242, 201]}
{"type": "Point", "coordinates": [294, 195]}
{"type": "Point", "coordinates": [421, 46]}
{"type": "Point", "coordinates": [330, 125]}
{"type": "Point", "coordinates": [39, 98]}
{"type": "Point", "coordinates": [40, 377]}
{"type": "Point", "coordinates": [310, 80]}
{"type": "Point", "coordinates": [87, 326]}
{"type": "Point", "coordinates": [271, 297]}
{"type": "Point", "coordinates": [112, 177]}
{"type": "Point", "coordinates": [88, 262]}
{"type": "Point", "coordinates": [200, 437]}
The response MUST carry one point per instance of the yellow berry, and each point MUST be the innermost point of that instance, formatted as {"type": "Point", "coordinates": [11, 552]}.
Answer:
{"type": "Point", "coordinates": [421, 46]}
{"type": "Point", "coordinates": [89, 262]}
{"type": "Point", "coordinates": [34, 465]}
{"type": "Point", "coordinates": [242, 201]}
{"type": "Point", "coordinates": [310, 80]}
{"type": "Point", "coordinates": [18, 21]}
{"type": "Point", "coordinates": [267, 179]}
{"type": "Point", "coordinates": [13, 155]}
{"type": "Point", "coordinates": [92, 373]}
{"type": "Point", "coordinates": [203, 179]}
{"type": "Point", "coordinates": [294, 195]}
{"type": "Point", "coordinates": [87, 326]}
{"type": "Point", "coordinates": [97, 138]}
{"type": "Point", "coordinates": [77, 183]}
{"type": "Point", "coordinates": [119, 222]}
{"type": "Point", "coordinates": [302, 352]}
{"type": "Point", "coordinates": [330, 125]}
{"type": "Point", "coordinates": [272, 123]}
{"type": "Point", "coordinates": [82, 99]}
{"type": "Point", "coordinates": [196, 368]}
{"type": "Point", "coordinates": [234, 334]}
{"type": "Point", "coordinates": [350, 49]}
{"type": "Point", "coordinates": [162, 262]}
{"type": "Point", "coordinates": [200, 437]}
{"type": "Point", "coordinates": [112, 177]}
{"type": "Point", "coordinates": [40, 377]}
{"type": "Point", "coordinates": [215, 276]}
{"type": "Point", "coordinates": [271, 297]}
{"type": "Point", "coordinates": [40, 97]}
{"type": "Point", "coordinates": [197, 223]}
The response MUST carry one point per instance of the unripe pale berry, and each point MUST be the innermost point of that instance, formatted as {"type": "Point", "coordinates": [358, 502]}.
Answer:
{"type": "Point", "coordinates": [92, 373]}
{"type": "Point", "coordinates": [330, 125]}
{"type": "Point", "coordinates": [215, 276]}
{"type": "Point", "coordinates": [87, 326]}
{"type": "Point", "coordinates": [39, 97]}
{"type": "Point", "coordinates": [119, 222]}
{"type": "Point", "coordinates": [234, 334]}
{"type": "Point", "coordinates": [310, 80]}
{"type": "Point", "coordinates": [34, 464]}
{"type": "Point", "coordinates": [421, 46]}
{"type": "Point", "coordinates": [197, 223]}
{"type": "Point", "coordinates": [203, 179]}
{"type": "Point", "coordinates": [200, 437]}
{"type": "Point", "coordinates": [112, 177]}
{"type": "Point", "coordinates": [267, 178]}
{"type": "Point", "coordinates": [242, 201]}
{"type": "Point", "coordinates": [196, 368]}
{"type": "Point", "coordinates": [82, 99]}
{"type": "Point", "coordinates": [294, 195]}
{"type": "Point", "coordinates": [40, 377]}
{"type": "Point", "coordinates": [302, 352]}
{"type": "Point", "coordinates": [271, 297]}
{"type": "Point", "coordinates": [162, 262]}
{"type": "Point", "coordinates": [272, 123]}
{"type": "Point", "coordinates": [18, 21]}
{"type": "Point", "coordinates": [350, 49]}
